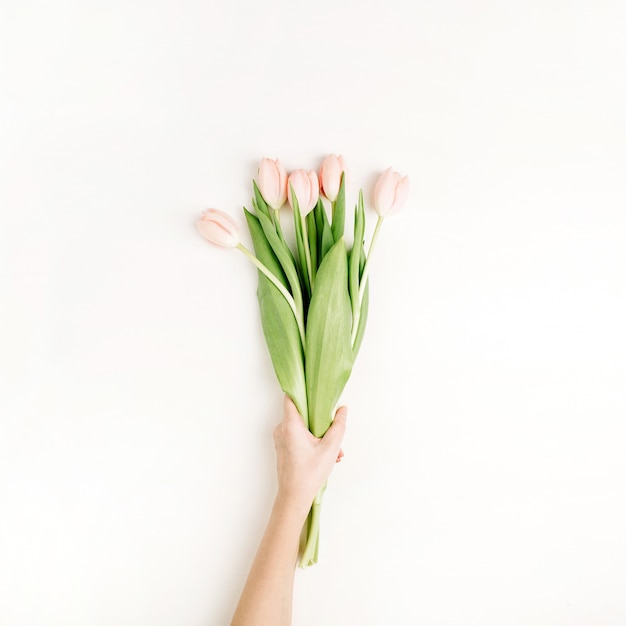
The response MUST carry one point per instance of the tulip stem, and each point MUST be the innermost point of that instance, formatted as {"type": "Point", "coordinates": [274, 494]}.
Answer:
{"type": "Point", "coordinates": [366, 267]}
{"type": "Point", "coordinates": [356, 313]}
{"type": "Point", "coordinates": [280, 288]}
{"type": "Point", "coordinates": [311, 545]}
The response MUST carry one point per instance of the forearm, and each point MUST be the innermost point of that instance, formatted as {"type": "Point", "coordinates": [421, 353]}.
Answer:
{"type": "Point", "coordinates": [266, 599]}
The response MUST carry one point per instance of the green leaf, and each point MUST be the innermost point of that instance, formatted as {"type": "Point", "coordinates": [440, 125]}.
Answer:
{"type": "Point", "coordinates": [279, 230]}
{"type": "Point", "coordinates": [328, 350]}
{"type": "Point", "coordinates": [363, 318]}
{"type": "Point", "coordinates": [283, 342]}
{"type": "Point", "coordinates": [325, 239]}
{"type": "Point", "coordinates": [285, 258]}
{"type": "Point", "coordinates": [311, 230]}
{"type": "Point", "coordinates": [319, 213]}
{"type": "Point", "coordinates": [355, 255]}
{"type": "Point", "coordinates": [356, 264]}
{"type": "Point", "coordinates": [262, 248]}
{"type": "Point", "coordinates": [339, 210]}
{"type": "Point", "coordinates": [297, 222]}
{"type": "Point", "coordinates": [366, 295]}
{"type": "Point", "coordinates": [261, 205]}
{"type": "Point", "coordinates": [279, 324]}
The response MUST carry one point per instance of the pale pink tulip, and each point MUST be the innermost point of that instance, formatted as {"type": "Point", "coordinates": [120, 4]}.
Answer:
{"type": "Point", "coordinates": [273, 183]}
{"type": "Point", "coordinates": [219, 228]}
{"type": "Point", "coordinates": [330, 175]}
{"type": "Point", "coordinates": [390, 192]}
{"type": "Point", "coordinates": [306, 187]}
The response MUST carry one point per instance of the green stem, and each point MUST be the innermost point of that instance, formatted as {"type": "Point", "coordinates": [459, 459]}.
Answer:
{"type": "Point", "coordinates": [356, 311]}
{"type": "Point", "coordinates": [366, 268]}
{"type": "Point", "coordinates": [311, 548]}
{"type": "Point", "coordinates": [356, 317]}
{"type": "Point", "coordinates": [280, 288]}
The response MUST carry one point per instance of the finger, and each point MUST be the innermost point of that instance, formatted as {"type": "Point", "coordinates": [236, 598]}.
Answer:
{"type": "Point", "coordinates": [293, 419]}
{"type": "Point", "coordinates": [339, 456]}
{"type": "Point", "coordinates": [334, 435]}
{"type": "Point", "coordinates": [289, 409]}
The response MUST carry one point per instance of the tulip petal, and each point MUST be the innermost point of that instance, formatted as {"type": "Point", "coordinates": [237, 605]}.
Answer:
{"type": "Point", "coordinates": [218, 228]}
{"type": "Point", "coordinates": [401, 194]}
{"type": "Point", "coordinates": [384, 192]}
{"type": "Point", "coordinates": [313, 191]}
{"type": "Point", "coordinates": [330, 175]}
{"type": "Point", "coordinates": [273, 182]}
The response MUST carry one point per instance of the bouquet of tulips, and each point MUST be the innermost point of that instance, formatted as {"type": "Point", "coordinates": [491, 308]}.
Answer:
{"type": "Point", "coordinates": [313, 299]}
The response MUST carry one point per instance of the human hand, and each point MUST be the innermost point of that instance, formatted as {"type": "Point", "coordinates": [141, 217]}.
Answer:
{"type": "Point", "coordinates": [304, 462]}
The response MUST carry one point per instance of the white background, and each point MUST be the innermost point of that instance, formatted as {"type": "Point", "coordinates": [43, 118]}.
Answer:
{"type": "Point", "coordinates": [484, 481]}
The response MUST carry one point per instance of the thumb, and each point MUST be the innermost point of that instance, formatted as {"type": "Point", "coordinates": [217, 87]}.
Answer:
{"type": "Point", "coordinates": [334, 435]}
{"type": "Point", "coordinates": [290, 410]}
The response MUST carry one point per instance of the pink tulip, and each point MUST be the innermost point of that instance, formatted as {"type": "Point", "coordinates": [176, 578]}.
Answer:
{"type": "Point", "coordinates": [220, 229]}
{"type": "Point", "coordinates": [306, 188]}
{"type": "Point", "coordinates": [330, 175]}
{"type": "Point", "coordinates": [273, 183]}
{"type": "Point", "coordinates": [390, 192]}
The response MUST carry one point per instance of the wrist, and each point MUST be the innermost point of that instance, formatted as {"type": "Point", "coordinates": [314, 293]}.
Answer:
{"type": "Point", "coordinates": [292, 506]}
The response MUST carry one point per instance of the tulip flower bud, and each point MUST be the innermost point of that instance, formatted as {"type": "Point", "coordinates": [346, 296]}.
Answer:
{"type": "Point", "coordinates": [330, 175]}
{"type": "Point", "coordinates": [218, 228]}
{"type": "Point", "coordinates": [273, 183]}
{"type": "Point", "coordinates": [390, 192]}
{"type": "Point", "coordinates": [306, 188]}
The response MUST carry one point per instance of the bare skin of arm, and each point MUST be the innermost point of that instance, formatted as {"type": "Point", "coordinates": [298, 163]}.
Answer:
{"type": "Point", "coordinates": [304, 463]}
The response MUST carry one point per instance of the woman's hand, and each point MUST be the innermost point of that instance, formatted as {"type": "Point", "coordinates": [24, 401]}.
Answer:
{"type": "Point", "coordinates": [304, 461]}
